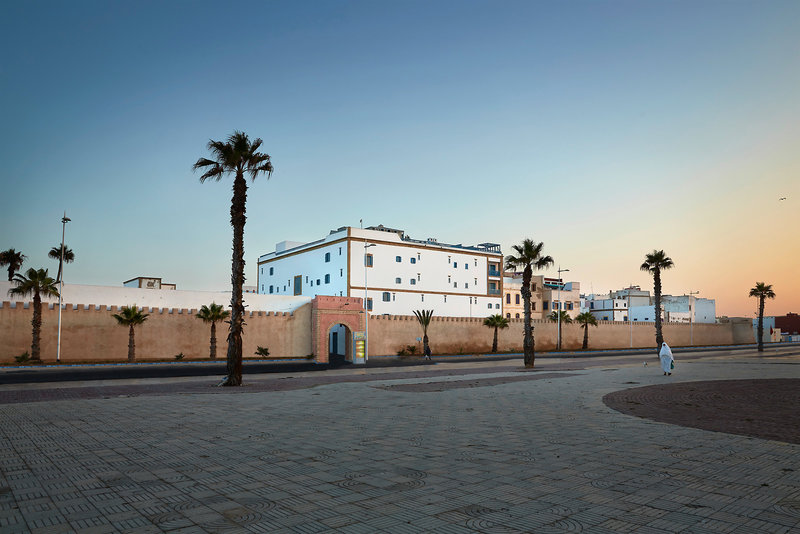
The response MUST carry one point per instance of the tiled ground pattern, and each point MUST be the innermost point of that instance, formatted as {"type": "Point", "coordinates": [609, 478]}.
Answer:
{"type": "Point", "coordinates": [523, 456]}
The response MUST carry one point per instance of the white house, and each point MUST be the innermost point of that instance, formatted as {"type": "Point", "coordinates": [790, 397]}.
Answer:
{"type": "Point", "coordinates": [396, 273]}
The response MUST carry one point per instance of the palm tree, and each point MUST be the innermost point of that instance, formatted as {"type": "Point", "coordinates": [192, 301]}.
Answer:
{"type": "Point", "coordinates": [762, 291]}
{"type": "Point", "coordinates": [565, 319]}
{"type": "Point", "coordinates": [212, 314]}
{"type": "Point", "coordinates": [235, 156]}
{"type": "Point", "coordinates": [424, 318]}
{"type": "Point", "coordinates": [585, 319]}
{"type": "Point", "coordinates": [38, 283]}
{"type": "Point", "coordinates": [496, 322]}
{"type": "Point", "coordinates": [656, 262]}
{"type": "Point", "coordinates": [529, 255]}
{"type": "Point", "coordinates": [55, 253]}
{"type": "Point", "coordinates": [131, 316]}
{"type": "Point", "coordinates": [13, 259]}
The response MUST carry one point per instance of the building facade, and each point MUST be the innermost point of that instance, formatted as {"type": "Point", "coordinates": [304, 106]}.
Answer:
{"type": "Point", "coordinates": [547, 295]}
{"type": "Point", "coordinates": [397, 274]}
{"type": "Point", "coordinates": [635, 304]}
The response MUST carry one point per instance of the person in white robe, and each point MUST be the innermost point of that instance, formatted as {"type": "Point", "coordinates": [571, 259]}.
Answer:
{"type": "Point", "coordinates": [666, 359]}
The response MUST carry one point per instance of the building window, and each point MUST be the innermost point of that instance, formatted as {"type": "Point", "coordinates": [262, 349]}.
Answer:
{"type": "Point", "coordinates": [317, 281]}
{"type": "Point", "coordinates": [419, 256]}
{"type": "Point", "coordinates": [516, 316]}
{"type": "Point", "coordinates": [394, 295]}
{"type": "Point", "coordinates": [413, 260]}
{"type": "Point", "coordinates": [340, 293]}
{"type": "Point", "coordinates": [448, 279]}
{"type": "Point", "coordinates": [340, 251]}
{"type": "Point", "coordinates": [497, 306]}
{"type": "Point", "coordinates": [544, 305]}
{"type": "Point", "coordinates": [533, 287]}
{"type": "Point", "coordinates": [476, 281]}
{"type": "Point", "coordinates": [423, 297]}
{"type": "Point", "coordinates": [445, 298]}
{"type": "Point", "coordinates": [556, 305]}
{"type": "Point", "coordinates": [448, 260]}
{"type": "Point", "coordinates": [508, 316]}
{"type": "Point", "coordinates": [368, 260]}
{"type": "Point", "coordinates": [341, 272]}
{"type": "Point", "coordinates": [306, 279]}
{"type": "Point", "coordinates": [418, 277]}
{"type": "Point", "coordinates": [569, 306]}
{"type": "Point", "coordinates": [398, 259]}
{"type": "Point", "coordinates": [455, 265]}
{"type": "Point", "coordinates": [327, 279]}
{"type": "Point", "coordinates": [533, 306]}
{"type": "Point", "coordinates": [271, 270]}
{"type": "Point", "coordinates": [466, 285]}
{"type": "Point", "coordinates": [455, 284]}
{"type": "Point", "coordinates": [298, 285]}
{"type": "Point", "coordinates": [591, 305]}
{"type": "Point", "coordinates": [508, 298]}
{"type": "Point", "coordinates": [516, 298]}
{"type": "Point", "coordinates": [413, 282]}
{"type": "Point", "coordinates": [327, 257]}
{"type": "Point", "coordinates": [466, 265]}
{"type": "Point", "coordinates": [397, 280]}
{"type": "Point", "coordinates": [489, 305]}
{"type": "Point", "coordinates": [270, 289]}
{"type": "Point", "coordinates": [369, 304]}
{"type": "Point", "coordinates": [387, 297]}
{"type": "Point", "coordinates": [311, 284]}
{"type": "Point", "coordinates": [476, 262]}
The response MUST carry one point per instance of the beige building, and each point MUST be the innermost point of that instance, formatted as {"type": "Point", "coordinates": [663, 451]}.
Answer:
{"type": "Point", "coordinates": [547, 294]}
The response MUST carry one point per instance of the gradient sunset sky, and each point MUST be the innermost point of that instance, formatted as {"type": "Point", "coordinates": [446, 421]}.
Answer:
{"type": "Point", "coordinates": [603, 129]}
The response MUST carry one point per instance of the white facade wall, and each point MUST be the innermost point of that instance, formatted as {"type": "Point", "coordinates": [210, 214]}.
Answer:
{"type": "Point", "coordinates": [405, 275]}
{"type": "Point", "coordinates": [609, 309]}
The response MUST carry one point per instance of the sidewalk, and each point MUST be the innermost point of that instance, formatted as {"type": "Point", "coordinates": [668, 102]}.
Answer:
{"type": "Point", "coordinates": [454, 447]}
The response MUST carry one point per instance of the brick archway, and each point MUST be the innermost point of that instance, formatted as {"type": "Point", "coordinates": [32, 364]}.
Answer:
{"type": "Point", "coordinates": [329, 311]}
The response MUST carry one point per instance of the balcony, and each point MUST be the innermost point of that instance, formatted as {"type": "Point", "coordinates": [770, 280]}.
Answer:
{"type": "Point", "coordinates": [494, 272]}
{"type": "Point", "coordinates": [494, 291]}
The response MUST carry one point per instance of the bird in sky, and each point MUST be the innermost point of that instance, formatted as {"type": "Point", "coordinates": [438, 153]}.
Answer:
{"type": "Point", "coordinates": [782, 198]}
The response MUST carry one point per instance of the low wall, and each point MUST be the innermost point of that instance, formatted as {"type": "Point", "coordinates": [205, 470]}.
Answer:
{"type": "Point", "coordinates": [90, 332]}
{"type": "Point", "coordinates": [454, 335]}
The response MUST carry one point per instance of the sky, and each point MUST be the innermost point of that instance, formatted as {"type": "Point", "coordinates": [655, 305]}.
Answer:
{"type": "Point", "coordinates": [603, 129]}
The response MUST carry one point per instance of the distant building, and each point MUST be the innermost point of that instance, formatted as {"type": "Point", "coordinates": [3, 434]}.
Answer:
{"type": "Point", "coordinates": [789, 324]}
{"type": "Point", "coordinates": [636, 304]}
{"type": "Point", "coordinates": [400, 274]}
{"type": "Point", "coordinates": [148, 282]}
{"type": "Point", "coordinates": [547, 294]}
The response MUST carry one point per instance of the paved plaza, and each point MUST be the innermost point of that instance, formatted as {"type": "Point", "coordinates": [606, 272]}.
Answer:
{"type": "Point", "coordinates": [451, 448]}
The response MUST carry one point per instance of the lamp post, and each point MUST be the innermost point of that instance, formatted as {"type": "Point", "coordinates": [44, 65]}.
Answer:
{"type": "Point", "coordinates": [691, 318]}
{"type": "Point", "coordinates": [558, 311]}
{"type": "Point", "coordinates": [630, 321]}
{"type": "Point", "coordinates": [64, 221]}
{"type": "Point", "coordinates": [366, 301]}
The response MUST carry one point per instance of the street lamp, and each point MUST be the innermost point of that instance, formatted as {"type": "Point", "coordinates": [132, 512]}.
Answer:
{"type": "Point", "coordinates": [558, 311]}
{"type": "Point", "coordinates": [366, 301]}
{"type": "Point", "coordinates": [691, 318]}
{"type": "Point", "coordinates": [64, 221]}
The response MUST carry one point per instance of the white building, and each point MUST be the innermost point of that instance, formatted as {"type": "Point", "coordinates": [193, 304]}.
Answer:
{"type": "Point", "coordinates": [400, 274]}
{"type": "Point", "coordinates": [637, 304]}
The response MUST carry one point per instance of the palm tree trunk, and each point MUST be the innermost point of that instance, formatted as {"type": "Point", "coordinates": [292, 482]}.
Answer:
{"type": "Point", "coordinates": [586, 336]}
{"type": "Point", "coordinates": [761, 323]}
{"type": "Point", "coordinates": [131, 346]}
{"type": "Point", "coordinates": [11, 272]}
{"type": "Point", "coordinates": [238, 218]}
{"type": "Point", "coordinates": [529, 355]}
{"type": "Point", "coordinates": [494, 342]}
{"type": "Point", "coordinates": [213, 354]}
{"type": "Point", "coordinates": [657, 291]}
{"type": "Point", "coordinates": [425, 343]}
{"type": "Point", "coordinates": [36, 323]}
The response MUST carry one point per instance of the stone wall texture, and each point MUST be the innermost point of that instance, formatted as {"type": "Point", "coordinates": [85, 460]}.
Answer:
{"type": "Point", "coordinates": [91, 333]}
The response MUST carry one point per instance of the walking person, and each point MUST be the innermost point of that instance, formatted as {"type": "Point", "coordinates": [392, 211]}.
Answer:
{"type": "Point", "coordinates": [667, 361]}
{"type": "Point", "coordinates": [428, 352]}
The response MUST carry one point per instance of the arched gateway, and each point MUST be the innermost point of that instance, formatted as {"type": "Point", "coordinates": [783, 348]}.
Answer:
{"type": "Point", "coordinates": [342, 316]}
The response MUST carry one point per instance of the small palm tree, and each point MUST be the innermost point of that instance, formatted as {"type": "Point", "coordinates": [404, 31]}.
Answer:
{"type": "Point", "coordinates": [212, 314]}
{"type": "Point", "coordinates": [55, 253]}
{"type": "Point", "coordinates": [235, 156]}
{"type": "Point", "coordinates": [585, 319]}
{"type": "Point", "coordinates": [565, 319]}
{"type": "Point", "coordinates": [38, 283]}
{"type": "Point", "coordinates": [424, 318]}
{"type": "Point", "coordinates": [496, 322]}
{"type": "Point", "coordinates": [13, 259]}
{"type": "Point", "coordinates": [762, 291]}
{"type": "Point", "coordinates": [131, 316]}
{"type": "Point", "coordinates": [529, 256]}
{"type": "Point", "coordinates": [654, 263]}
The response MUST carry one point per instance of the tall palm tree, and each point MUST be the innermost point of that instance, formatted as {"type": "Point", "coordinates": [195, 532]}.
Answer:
{"type": "Point", "coordinates": [762, 291]}
{"type": "Point", "coordinates": [55, 253]}
{"type": "Point", "coordinates": [212, 314]}
{"type": "Point", "coordinates": [38, 283]}
{"type": "Point", "coordinates": [131, 316]}
{"type": "Point", "coordinates": [528, 256]}
{"type": "Point", "coordinates": [13, 259]}
{"type": "Point", "coordinates": [496, 322]}
{"type": "Point", "coordinates": [585, 319]}
{"type": "Point", "coordinates": [237, 156]}
{"type": "Point", "coordinates": [424, 318]}
{"type": "Point", "coordinates": [654, 263]}
{"type": "Point", "coordinates": [565, 319]}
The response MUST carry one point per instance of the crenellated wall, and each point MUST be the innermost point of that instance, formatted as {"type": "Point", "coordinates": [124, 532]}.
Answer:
{"type": "Point", "coordinates": [90, 332]}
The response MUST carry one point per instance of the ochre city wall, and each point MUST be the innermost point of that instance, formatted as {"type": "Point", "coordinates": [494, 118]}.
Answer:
{"type": "Point", "coordinates": [91, 333]}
